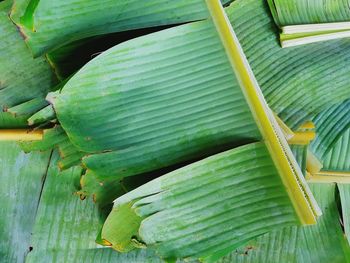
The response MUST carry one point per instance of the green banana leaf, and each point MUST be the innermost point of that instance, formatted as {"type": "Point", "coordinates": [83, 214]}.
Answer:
{"type": "Point", "coordinates": [21, 77]}
{"type": "Point", "coordinates": [344, 191]}
{"type": "Point", "coordinates": [296, 12]}
{"type": "Point", "coordinates": [56, 138]}
{"type": "Point", "coordinates": [330, 126]}
{"type": "Point", "coordinates": [323, 242]}
{"type": "Point", "coordinates": [22, 177]}
{"type": "Point", "coordinates": [308, 21]}
{"type": "Point", "coordinates": [44, 31]}
{"type": "Point", "coordinates": [69, 58]}
{"type": "Point", "coordinates": [182, 76]}
{"type": "Point", "coordinates": [338, 158]}
{"type": "Point", "coordinates": [204, 210]}
{"type": "Point", "coordinates": [333, 146]}
{"type": "Point", "coordinates": [7, 120]}
{"type": "Point", "coordinates": [300, 154]}
{"type": "Point", "coordinates": [296, 83]}
{"type": "Point", "coordinates": [338, 161]}
{"type": "Point", "coordinates": [275, 246]}
{"type": "Point", "coordinates": [28, 107]}
{"type": "Point", "coordinates": [154, 119]}
{"type": "Point", "coordinates": [18, 9]}
{"type": "Point", "coordinates": [74, 224]}
{"type": "Point", "coordinates": [65, 227]}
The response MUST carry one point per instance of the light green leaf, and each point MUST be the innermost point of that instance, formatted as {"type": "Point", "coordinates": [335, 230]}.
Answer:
{"type": "Point", "coordinates": [206, 209]}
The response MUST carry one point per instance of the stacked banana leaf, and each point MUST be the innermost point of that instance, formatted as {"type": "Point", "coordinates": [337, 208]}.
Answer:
{"type": "Point", "coordinates": [152, 131]}
{"type": "Point", "coordinates": [309, 21]}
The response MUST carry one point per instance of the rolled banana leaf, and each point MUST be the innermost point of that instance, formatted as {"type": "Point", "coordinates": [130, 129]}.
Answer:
{"type": "Point", "coordinates": [22, 78]}
{"type": "Point", "coordinates": [22, 177]}
{"type": "Point", "coordinates": [204, 210]}
{"type": "Point", "coordinates": [308, 21]}
{"type": "Point", "coordinates": [77, 19]}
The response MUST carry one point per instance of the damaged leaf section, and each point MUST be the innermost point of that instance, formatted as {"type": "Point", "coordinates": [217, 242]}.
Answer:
{"type": "Point", "coordinates": [122, 237]}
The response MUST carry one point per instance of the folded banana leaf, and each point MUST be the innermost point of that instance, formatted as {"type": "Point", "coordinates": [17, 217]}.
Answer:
{"type": "Point", "coordinates": [308, 21]}
{"type": "Point", "coordinates": [22, 177]}
{"type": "Point", "coordinates": [146, 118]}
{"type": "Point", "coordinates": [171, 96]}
{"type": "Point", "coordinates": [204, 210]}
{"type": "Point", "coordinates": [22, 78]}
{"type": "Point", "coordinates": [56, 138]}
{"type": "Point", "coordinates": [72, 20]}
